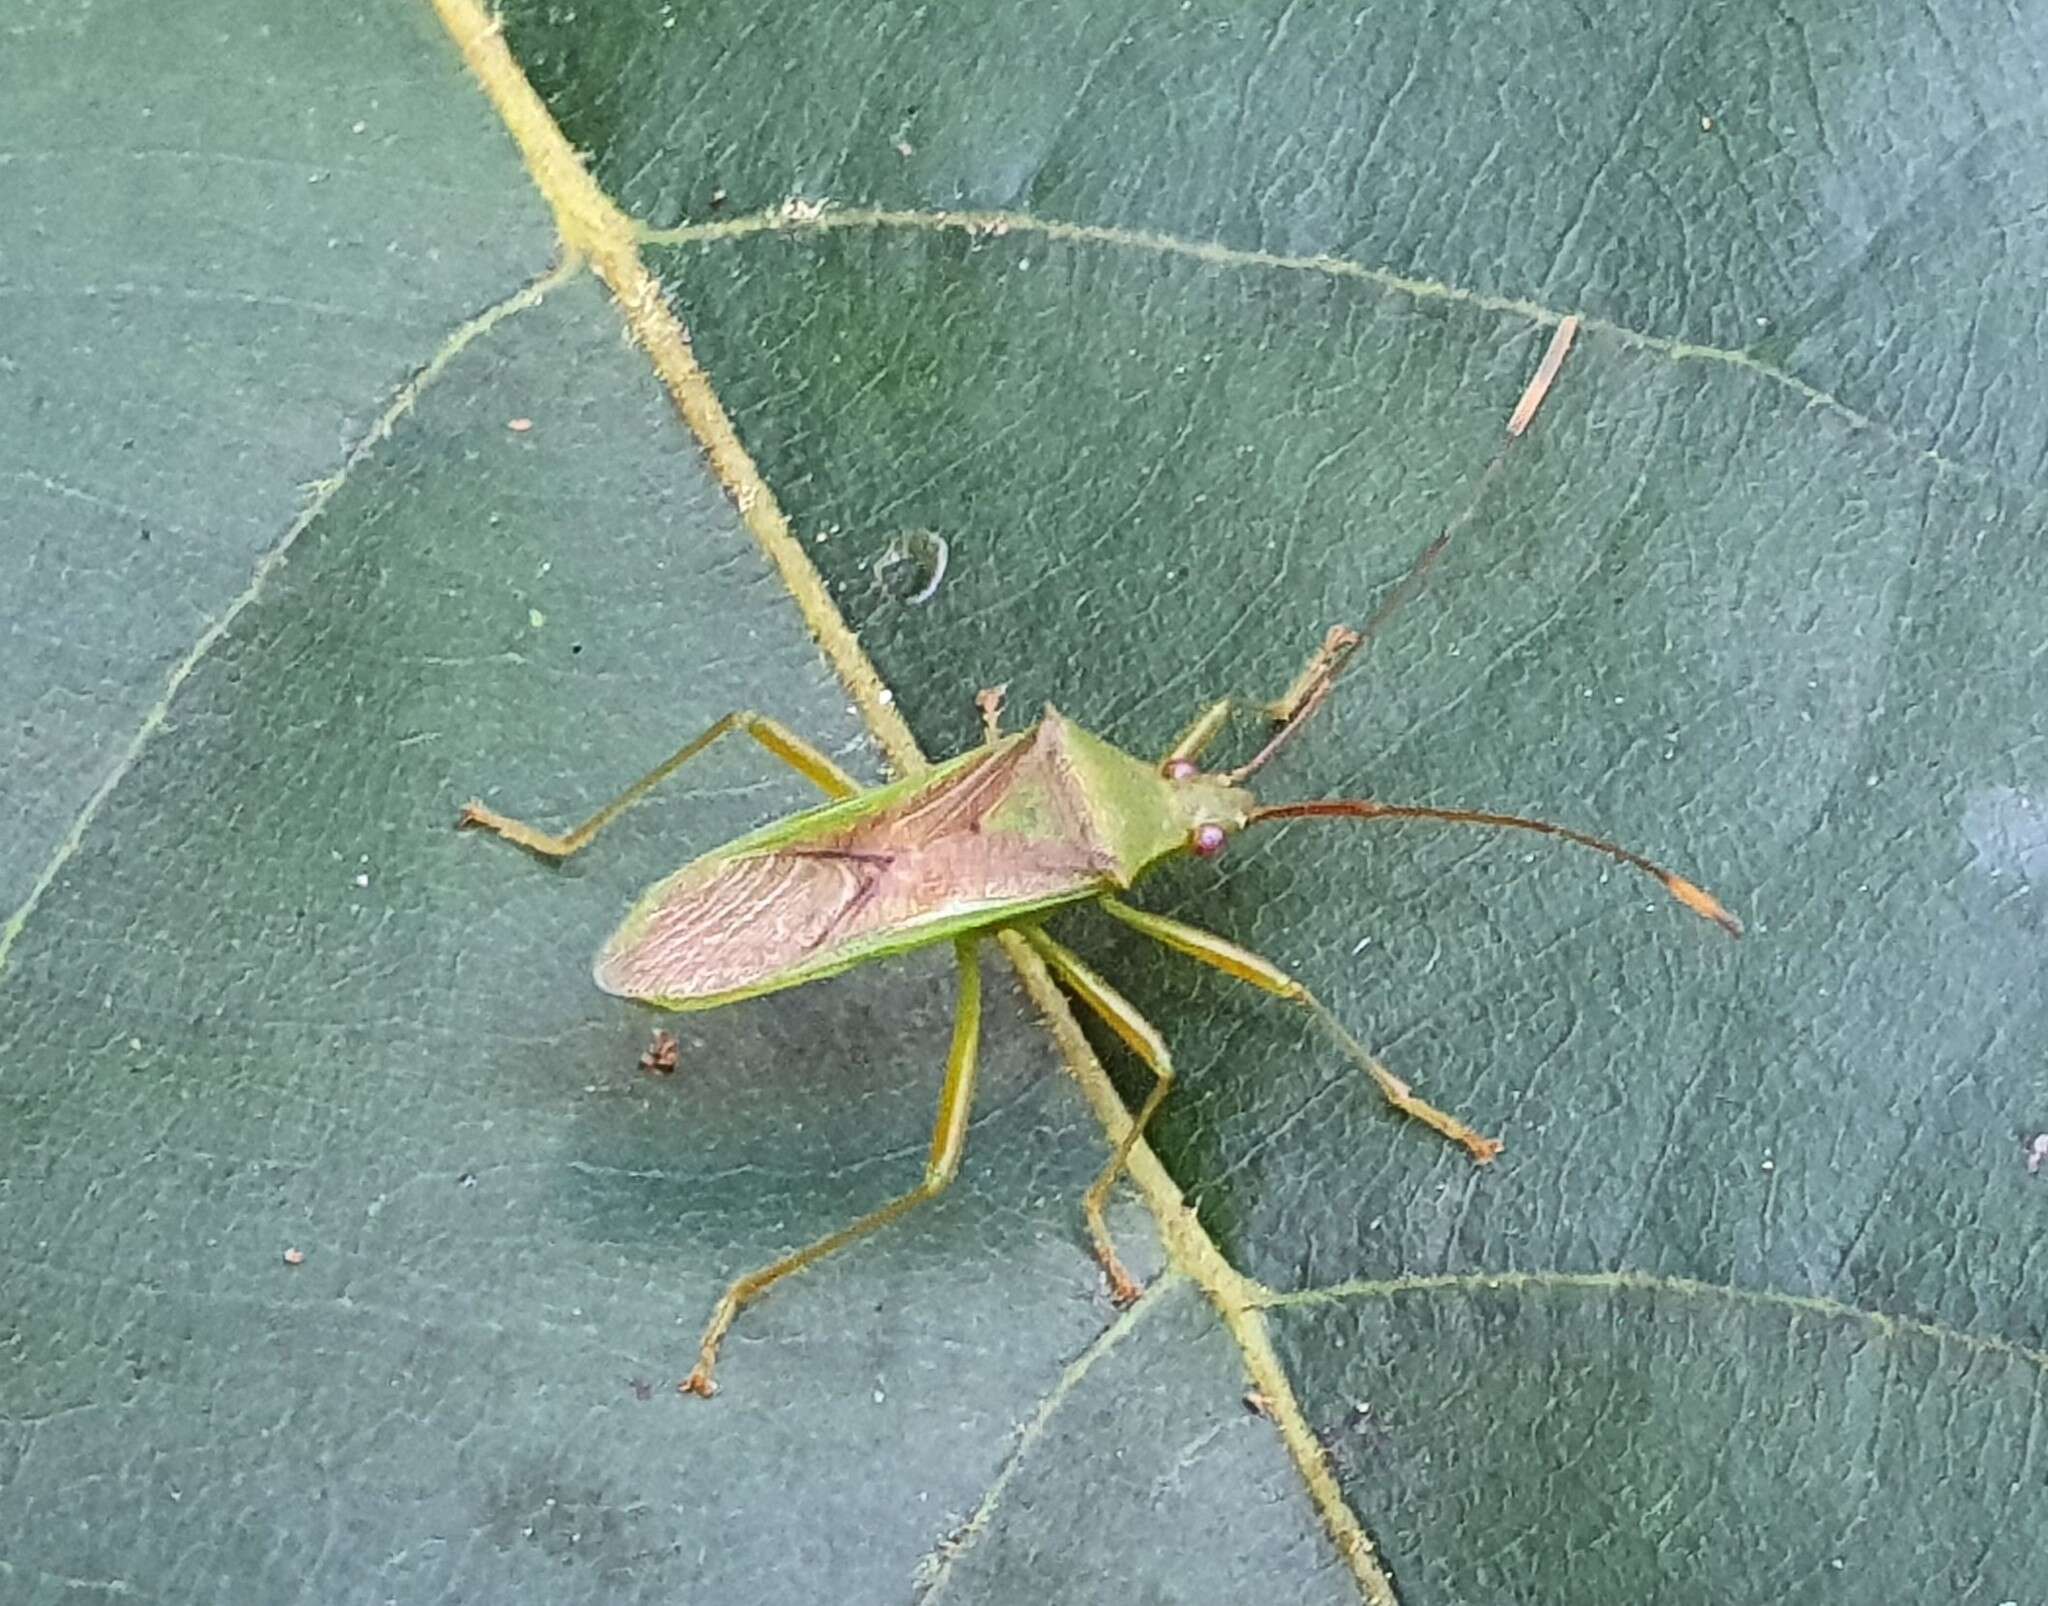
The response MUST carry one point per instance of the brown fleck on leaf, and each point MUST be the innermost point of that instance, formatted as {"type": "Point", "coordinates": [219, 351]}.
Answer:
{"type": "Point", "coordinates": [1257, 1403]}
{"type": "Point", "coordinates": [990, 701]}
{"type": "Point", "coordinates": [295, 1257]}
{"type": "Point", "coordinates": [1546, 376]}
{"type": "Point", "coordinates": [662, 1054]}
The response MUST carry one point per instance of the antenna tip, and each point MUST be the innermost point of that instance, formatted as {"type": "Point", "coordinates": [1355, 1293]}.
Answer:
{"type": "Point", "coordinates": [1703, 903]}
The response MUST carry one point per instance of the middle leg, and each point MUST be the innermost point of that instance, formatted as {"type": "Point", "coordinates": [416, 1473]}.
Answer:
{"type": "Point", "coordinates": [1122, 1017]}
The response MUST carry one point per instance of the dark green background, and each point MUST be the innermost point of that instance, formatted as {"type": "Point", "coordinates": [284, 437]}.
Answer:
{"type": "Point", "coordinates": [1761, 594]}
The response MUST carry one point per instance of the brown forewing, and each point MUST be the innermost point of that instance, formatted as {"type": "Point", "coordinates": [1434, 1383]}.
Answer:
{"type": "Point", "coordinates": [755, 921]}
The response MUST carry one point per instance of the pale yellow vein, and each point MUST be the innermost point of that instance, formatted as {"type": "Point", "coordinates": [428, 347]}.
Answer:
{"type": "Point", "coordinates": [1886, 1325]}
{"type": "Point", "coordinates": [935, 1570]}
{"type": "Point", "coordinates": [810, 217]}
{"type": "Point", "coordinates": [323, 492]}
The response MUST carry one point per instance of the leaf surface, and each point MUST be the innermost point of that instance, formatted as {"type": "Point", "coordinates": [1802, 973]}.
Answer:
{"type": "Point", "coordinates": [1132, 352]}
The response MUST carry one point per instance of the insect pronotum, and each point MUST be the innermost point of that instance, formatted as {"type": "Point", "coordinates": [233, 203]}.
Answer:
{"type": "Point", "coordinates": [994, 840]}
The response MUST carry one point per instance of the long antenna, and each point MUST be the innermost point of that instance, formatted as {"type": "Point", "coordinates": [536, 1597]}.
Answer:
{"type": "Point", "coordinates": [1312, 688]}
{"type": "Point", "coordinates": [1696, 898]}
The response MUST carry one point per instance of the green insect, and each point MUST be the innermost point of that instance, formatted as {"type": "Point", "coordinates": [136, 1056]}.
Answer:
{"type": "Point", "coordinates": [994, 840]}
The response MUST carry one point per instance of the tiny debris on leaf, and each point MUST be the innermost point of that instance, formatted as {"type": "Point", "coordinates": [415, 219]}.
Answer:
{"type": "Point", "coordinates": [519, 426]}
{"type": "Point", "coordinates": [662, 1054]}
{"type": "Point", "coordinates": [990, 701]}
{"type": "Point", "coordinates": [295, 1257]}
{"type": "Point", "coordinates": [1257, 1403]}
{"type": "Point", "coordinates": [2037, 1153]}
{"type": "Point", "coordinates": [1546, 375]}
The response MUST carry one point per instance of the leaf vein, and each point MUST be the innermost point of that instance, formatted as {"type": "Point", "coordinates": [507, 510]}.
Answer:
{"type": "Point", "coordinates": [811, 218]}
{"type": "Point", "coordinates": [1883, 1323]}
{"type": "Point", "coordinates": [936, 1568]}
{"type": "Point", "coordinates": [273, 558]}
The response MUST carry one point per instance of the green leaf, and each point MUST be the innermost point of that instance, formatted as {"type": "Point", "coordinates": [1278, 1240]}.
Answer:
{"type": "Point", "coordinates": [208, 301]}
{"type": "Point", "coordinates": [1131, 352]}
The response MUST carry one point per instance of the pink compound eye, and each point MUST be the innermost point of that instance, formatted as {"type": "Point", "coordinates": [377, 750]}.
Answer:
{"type": "Point", "coordinates": [1208, 841]}
{"type": "Point", "coordinates": [1180, 769]}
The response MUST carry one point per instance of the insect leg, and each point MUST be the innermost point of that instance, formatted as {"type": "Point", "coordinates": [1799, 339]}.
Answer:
{"type": "Point", "coordinates": [1312, 685]}
{"type": "Point", "coordinates": [1208, 724]}
{"type": "Point", "coordinates": [1297, 705]}
{"type": "Point", "coordinates": [1122, 1017]}
{"type": "Point", "coordinates": [1245, 965]}
{"type": "Point", "coordinates": [949, 1143]}
{"type": "Point", "coordinates": [779, 739]}
{"type": "Point", "coordinates": [1289, 709]}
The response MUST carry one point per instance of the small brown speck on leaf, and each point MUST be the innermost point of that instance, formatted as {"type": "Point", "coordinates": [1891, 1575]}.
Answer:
{"type": "Point", "coordinates": [1257, 1403]}
{"type": "Point", "coordinates": [295, 1257]}
{"type": "Point", "coordinates": [662, 1054]}
{"type": "Point", "coordinates": [1546, 375]}
{"type": "Point", "coordinates": [990, 701]}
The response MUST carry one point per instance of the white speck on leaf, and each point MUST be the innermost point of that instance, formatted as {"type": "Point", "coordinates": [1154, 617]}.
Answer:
{"type": "Point", "coordinates": [2008, 829]}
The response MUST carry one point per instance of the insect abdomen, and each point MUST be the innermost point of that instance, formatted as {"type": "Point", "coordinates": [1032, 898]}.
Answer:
{"type": "Point", "coordinates": [928, 864]}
